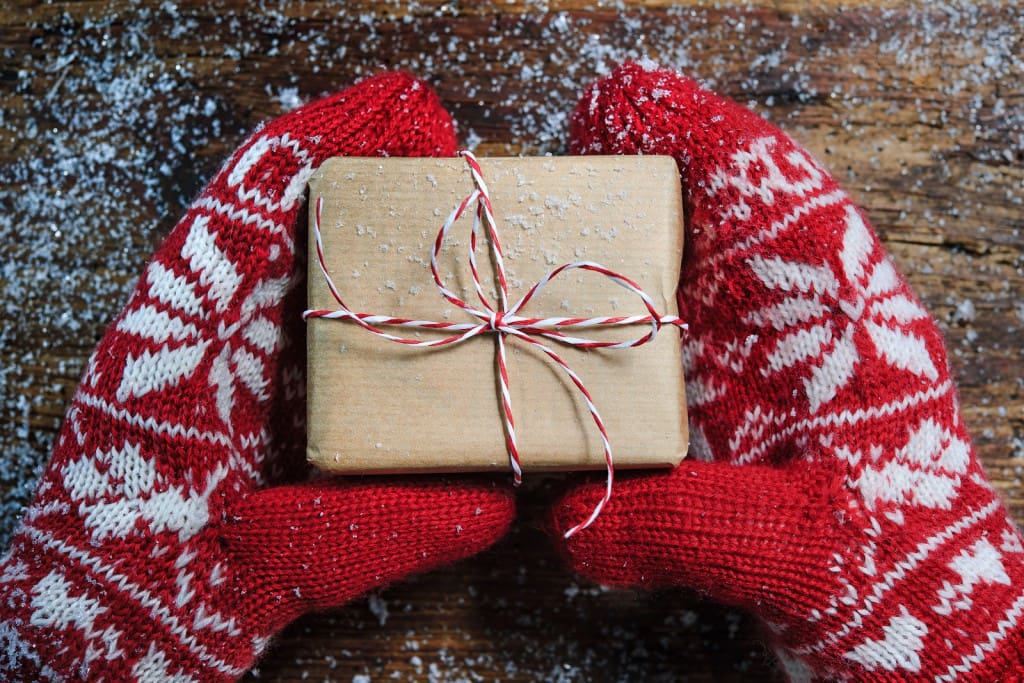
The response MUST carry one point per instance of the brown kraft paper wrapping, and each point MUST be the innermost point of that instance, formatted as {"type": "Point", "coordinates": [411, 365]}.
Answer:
{"type": "Point", "coordinates": [375, 406]}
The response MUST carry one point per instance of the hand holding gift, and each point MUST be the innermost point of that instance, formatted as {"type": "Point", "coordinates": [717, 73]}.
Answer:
{"type": "Point", "coordinates": [167, 539]}
{"type": "Point", "coordinates": [832, 487]}
{"type": "Point", "coordinates": [835, 494]}
{"type": "Point", "coordinates": [561, 340]}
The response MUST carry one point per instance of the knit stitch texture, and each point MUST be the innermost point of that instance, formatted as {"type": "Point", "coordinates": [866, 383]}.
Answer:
{"type": "Point", "coordinates": [157, 547]}
{"type": "Point", "coordinates": [832, 487]}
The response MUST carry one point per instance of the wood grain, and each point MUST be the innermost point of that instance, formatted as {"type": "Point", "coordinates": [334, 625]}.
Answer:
{"type": "Point", "coordinates": [113, 119]}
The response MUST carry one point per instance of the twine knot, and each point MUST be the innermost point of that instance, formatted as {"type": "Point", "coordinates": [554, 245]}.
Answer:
{"type": "Point", "coordinates": [496, 320]}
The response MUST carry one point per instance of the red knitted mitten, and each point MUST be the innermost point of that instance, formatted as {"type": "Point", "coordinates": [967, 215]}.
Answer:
{"type": "Point", "coordinates": [153, 550]}
{"type": "Point", "coordinates": [834, 490]}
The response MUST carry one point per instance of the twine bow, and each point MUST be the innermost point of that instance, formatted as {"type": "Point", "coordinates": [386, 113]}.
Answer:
{"type": "Point", "coordinates": [504, 320]}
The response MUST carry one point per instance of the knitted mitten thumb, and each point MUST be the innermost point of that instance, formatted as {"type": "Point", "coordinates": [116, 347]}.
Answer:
{"type": "Point", "coordinates": [154, 549]}
{"type": "Point", "coordinates": [843, 502]}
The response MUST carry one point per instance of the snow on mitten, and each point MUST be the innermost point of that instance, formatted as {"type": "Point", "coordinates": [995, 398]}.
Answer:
{"type": "Point", "coordinates": [154, 549]}
{"type": "Point", "coordinates": [833, 489]}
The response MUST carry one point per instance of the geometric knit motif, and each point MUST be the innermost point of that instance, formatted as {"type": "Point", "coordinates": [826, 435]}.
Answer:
{"type": "Point", "coordinates": [808, 359]}
{"type": "Point", "coordinates": [151, 551]}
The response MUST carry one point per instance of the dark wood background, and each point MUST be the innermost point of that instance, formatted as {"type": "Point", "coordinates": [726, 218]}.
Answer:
{"type": "Point", "coordinates": [115, 113]}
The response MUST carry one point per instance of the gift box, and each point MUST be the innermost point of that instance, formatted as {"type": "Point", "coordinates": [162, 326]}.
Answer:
{"type": "Point", "coordinates": [375, 406]}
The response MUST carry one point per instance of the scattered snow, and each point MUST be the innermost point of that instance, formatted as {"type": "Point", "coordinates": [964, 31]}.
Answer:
{"type": "Point", "coordinates": [110, 132]}
{"type": "Point", "coordinates": [115, 138]}
{"type": "Point", "coordinates": [964, 312]}
{"type": "Point", "coordinates": [378, 607]}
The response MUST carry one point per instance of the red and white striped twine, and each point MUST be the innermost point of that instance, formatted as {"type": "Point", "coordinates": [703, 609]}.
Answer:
{"type": "Point", "coordinates": [504, 320]}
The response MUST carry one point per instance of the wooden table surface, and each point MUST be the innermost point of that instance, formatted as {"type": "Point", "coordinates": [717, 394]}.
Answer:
{"type": "Point", "coordinates": [115, 113]}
